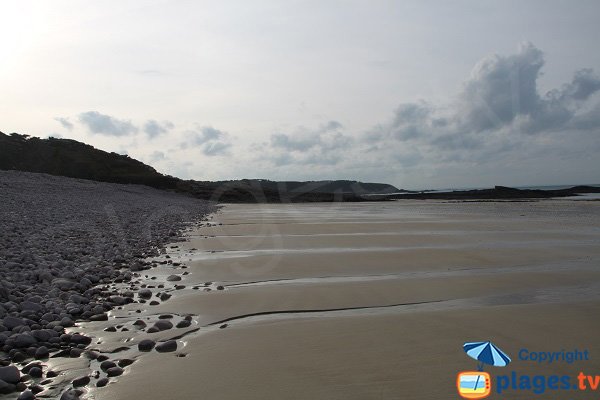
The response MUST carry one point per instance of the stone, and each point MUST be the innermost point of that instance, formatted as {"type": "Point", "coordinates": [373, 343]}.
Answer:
{"type": "Point", "coordinates": [102, 382]}
{"type": "Point", "coordinates": [173, 278]}
{"type": "Point", "coordinates": [35, 372]}
{"type": "Point", "coordinates": [166, 347]}
{"type": "Point", "coordinates": [11, 322]}
{"type": "Point", "coordinates": [26, 395]}
{"type": "Point", "coordinates": [6, 388]}
{"type": "Point", "coordinates": [81, 381]}
{"type": "Point", "coordinates": [71, 395]}
{"type": "Point", "coordinates": [183, 324]}
{"type": "Point", "coordinates": [125, 362]}
{"type": "Point", "coordinates": [105, 365]}
{"type": "Point", "coordinates": [163, 325]}
{"type": "Point", "coordinates": [10, 374]}
{"type": "Point", "coordinates": [146, 345]}
{"type": "Point", "coordinates": [41, 352]}
{"type": "Point", "coordinates": [114, 371]}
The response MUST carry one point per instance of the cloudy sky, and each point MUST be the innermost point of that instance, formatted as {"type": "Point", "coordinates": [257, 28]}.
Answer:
{"type": "Point", "coordinates": [420, 94]}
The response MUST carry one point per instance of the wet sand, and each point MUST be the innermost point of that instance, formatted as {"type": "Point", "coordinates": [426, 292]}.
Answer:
{"type": "Point", "coordinates": [372, 301]}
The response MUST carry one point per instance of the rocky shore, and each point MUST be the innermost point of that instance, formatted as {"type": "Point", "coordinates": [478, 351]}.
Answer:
{"type": "Point", "coordinates": [70, 251]}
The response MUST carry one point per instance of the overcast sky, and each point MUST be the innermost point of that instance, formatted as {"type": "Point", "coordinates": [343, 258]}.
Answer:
{"type": "Point", "coordinates": [420, 94]}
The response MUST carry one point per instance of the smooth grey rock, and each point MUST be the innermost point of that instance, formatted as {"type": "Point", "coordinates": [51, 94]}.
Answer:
{"type": "Point", "coordinates": [10, 374]}
{"type": "Point", "coordinates": [81, 381]}
{"type": "Point", "coordinates": [6, 388]}
{"type": "Point", "coordinates": [11, 322]}
{"type": "Point", "coordinates": [102, 382]}
{"type": "Point", "coordinates": [71, 395]}
{"type": "Point", "coordinates": [165, 347]}
{"type": "Point", "coordinates": [114, 371]}
{"type": "Point", "coordinates": [26, 395]}
{"type": "Point", "coordinates": [35, 372]}
{"type": "Point", "coordinates": [183, 324]}
{"type": "Point", "coordinates": [163, 325]}
{"type": "Point", "coordinates": [173, 278]}
{"type": "Point", "coordinates": [41, 352]}
{"type": "Point", "coordinates": [146, 345]}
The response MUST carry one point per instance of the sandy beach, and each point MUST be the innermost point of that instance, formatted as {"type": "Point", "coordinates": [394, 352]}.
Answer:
{"type": "Point", "coordinates": [373, 301]}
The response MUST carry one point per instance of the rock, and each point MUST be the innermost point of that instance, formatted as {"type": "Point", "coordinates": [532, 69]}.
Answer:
{"type": "Point", "coordinates": [165, 296]}
{"type": "Point", "coordinates": [163, 325]}
{"type": "Point", "coordinates": [183, 324]}
{"type": "Point", "coordinates": [125, 362]}
{"type": "Point", "coordinates": [173, 278]}
{"type": "Point", "coordinates": [11, 322]}
{"type": "Point", "coordinates": [26, 395]}
{"type": "Point", "coordinates": [29, 305]}
{"type": "Point", "coordinates": [24, 340]}
{"type": "Point", "coordinates": [75, 352]}
{"type": "Point", "coordinates": [145, 293]}
{"type": "Point", "coordinates": [220, 287]}
{"type": "Point", "coordinates": [71, 395]}
{"type": "Point", "coordinates": [99, 317]}
{"type": "Point", "coordinates": [105, 365]}
{"type": "Point", "coordinates": [139, 323]}
{"type": "Point", "coordinates": [41, 352]}
{"type": "Point", "coordinates": [10, 374]}
{"type": "Point", "coordinates": [166, 347]}
{"type": "Point", "coordinates": [102, 382]}
{"type": "Point", "coordinates": [114, 371]}
{"type": "Point", "coordinates": [35, 372]}
{"type": "Point", "coordinates": [81, 381]}
{"type": "Point", "coordinates": [36, 389]}
{"type": "Point", "coordinates": [146, 345]}
{"type": "Point", "coordinates": [80, 339]}
{"type": "Point", "coordinates": [51, 374]}
{"type": "Point", "coordinates": [6, 388]}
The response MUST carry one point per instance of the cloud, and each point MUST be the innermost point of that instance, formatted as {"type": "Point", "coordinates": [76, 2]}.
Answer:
{"type": "Point", "coordinates": [216, 148]}
{"type": "Point", "coordinates": [65, 123]}
{"type": "Point", "coordinates": [212, 141]}
{"type": "Point", "coordinates": [499, 120]}
{"type": "Point", "coordinates": [500, 97]}
{"type": "Point", "coordinates": [153, 128]}
{"type": "Point", "coordinates": [157, 156]}
{"type": "Point", "coordinates": [206, 134]}
{"type": "Point", "coordinates": [308, 146]}
{"type": "Point", "coordinates": [106, 125]}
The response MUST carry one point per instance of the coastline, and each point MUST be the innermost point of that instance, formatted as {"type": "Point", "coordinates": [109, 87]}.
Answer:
{"type": "Point", "coordinates": [347, 333]}
{"type": "Point", "coordinates": [72, 251]}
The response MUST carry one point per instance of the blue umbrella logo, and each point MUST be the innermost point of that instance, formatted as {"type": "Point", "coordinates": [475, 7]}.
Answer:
{"type": "Point", "coordinates": [486, 353]}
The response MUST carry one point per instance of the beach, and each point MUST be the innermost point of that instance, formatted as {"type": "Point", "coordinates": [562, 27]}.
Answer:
{"type": "Point", "coordinates": [367, 301]}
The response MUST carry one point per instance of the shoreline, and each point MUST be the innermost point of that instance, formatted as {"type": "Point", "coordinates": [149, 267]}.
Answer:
{"type": "Point", "coordinates": [59, 267]}
{"type": "Point", "coordinates": [360, 336]}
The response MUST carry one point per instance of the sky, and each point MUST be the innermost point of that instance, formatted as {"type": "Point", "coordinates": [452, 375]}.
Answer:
{"type": "Point", "coordinates": [418, 94]}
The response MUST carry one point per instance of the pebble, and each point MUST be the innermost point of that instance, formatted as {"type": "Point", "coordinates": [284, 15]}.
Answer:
{"type": "Point", "coordinates": [114, 371]}
{"type": "Point", "coordinates": [165, 347]}
{"type": "Point", "coordinates": [163, 325]}
{"type": "Point", "coordinates": [81, 381]}
{"type": "Point", "coordinates": [26, 395]}
{"type": "Point", "coordinates": [146, 345]}
{"type": "Point", "coordinates": [102, 382]}
{"type": "Point", "coordinates": [10, 374]}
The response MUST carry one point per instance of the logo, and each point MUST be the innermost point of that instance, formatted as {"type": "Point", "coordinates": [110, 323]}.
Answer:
{"type": "Point", "coordinates": [478, 384]}
{"type": "Point", "coordinates": [473, 384]}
